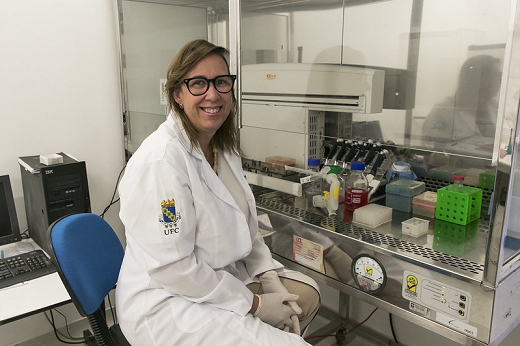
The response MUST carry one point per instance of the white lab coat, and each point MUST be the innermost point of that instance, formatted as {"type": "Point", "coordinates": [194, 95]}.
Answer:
{"type": "Point", "coordinates": [183, 279]}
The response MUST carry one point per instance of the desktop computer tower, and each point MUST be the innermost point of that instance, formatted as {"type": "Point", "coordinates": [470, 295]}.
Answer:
{"type": "Point", "coordinates": [51, 192]}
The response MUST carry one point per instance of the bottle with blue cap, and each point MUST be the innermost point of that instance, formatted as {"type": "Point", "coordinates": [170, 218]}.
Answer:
{"type": "Point", "coordinates": [314, 187]}
{"type": "Point", "coordinates": [356, 186]}
{"type": "Point", "coordinates": [313, 164]}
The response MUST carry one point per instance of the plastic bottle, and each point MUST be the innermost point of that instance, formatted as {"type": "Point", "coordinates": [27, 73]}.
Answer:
{"type": "Point", "coordinates": [337, 170]}
{"type": "Point", "coordinates": [329, 199]}
{"type": "Point", "coordinates": [313, 164]}
{"type": "Point", "coordinates": [314, 187]}
{"type": "Point", "coordinates": [356, 186]}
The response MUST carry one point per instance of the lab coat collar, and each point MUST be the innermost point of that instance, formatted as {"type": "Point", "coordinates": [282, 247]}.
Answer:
{"type": "Point", "coordinates": [174, 122]}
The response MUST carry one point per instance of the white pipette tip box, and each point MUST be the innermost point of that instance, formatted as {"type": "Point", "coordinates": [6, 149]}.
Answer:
{"type": "Point", "coordinates": [415, 227]}
{"type": "Point", "coordinates": [372, 215]}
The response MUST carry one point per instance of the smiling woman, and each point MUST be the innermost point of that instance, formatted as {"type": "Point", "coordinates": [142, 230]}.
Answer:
{"type": "Point", "coordinates": [190, 73]}
{"type": "Point", "coordinates": [205, 107]}
{"type": "Point", "coordinates": [196, 267]}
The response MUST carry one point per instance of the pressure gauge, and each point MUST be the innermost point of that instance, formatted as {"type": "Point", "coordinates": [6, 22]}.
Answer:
{"type": "Point", "coordinates": [369, 274]}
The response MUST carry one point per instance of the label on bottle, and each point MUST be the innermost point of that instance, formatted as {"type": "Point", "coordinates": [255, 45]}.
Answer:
{"type": "Point", "coordinates": [355, 198]}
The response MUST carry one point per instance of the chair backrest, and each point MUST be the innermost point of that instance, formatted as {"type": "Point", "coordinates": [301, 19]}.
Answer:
{"type": "Point", "coordinates": [88, 256]}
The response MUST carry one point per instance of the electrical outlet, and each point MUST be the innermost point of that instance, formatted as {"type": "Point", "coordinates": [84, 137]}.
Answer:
{"type": "Point", "coordinates": [162, 96]}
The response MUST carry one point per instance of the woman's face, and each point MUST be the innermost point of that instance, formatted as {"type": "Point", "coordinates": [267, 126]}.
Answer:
{"type": "Point", "coordinates": [208, 111]}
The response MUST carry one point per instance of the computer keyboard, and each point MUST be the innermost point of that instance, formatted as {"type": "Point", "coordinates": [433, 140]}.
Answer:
{"type": "Point", "coordinates": [24, 267]}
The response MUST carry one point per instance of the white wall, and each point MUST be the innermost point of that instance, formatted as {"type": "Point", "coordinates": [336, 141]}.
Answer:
{"type": "Point", "coordinates": [60, 91]}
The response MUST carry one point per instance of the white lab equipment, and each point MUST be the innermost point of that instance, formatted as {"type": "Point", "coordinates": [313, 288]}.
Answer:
{"type": "Point", "coordinates": [286, 105]}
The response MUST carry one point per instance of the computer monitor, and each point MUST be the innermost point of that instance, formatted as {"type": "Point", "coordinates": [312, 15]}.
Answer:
{"type": "Point", "coordinates": [9, 229]}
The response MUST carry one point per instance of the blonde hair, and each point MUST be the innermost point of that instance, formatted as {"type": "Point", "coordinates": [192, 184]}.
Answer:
{"type": "Point", "coordinates": [225, 139]}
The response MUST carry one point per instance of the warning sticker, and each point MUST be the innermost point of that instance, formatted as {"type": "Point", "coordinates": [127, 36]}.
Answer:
{"type": "Point", "coordinates": [308, 253]}
{"type": "Point", "coordinates": [411, 284]}
{"type": "Point", "coordinates": [435, 295]}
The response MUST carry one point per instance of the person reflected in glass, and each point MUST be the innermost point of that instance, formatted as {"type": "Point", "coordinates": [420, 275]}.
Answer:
{"type": "Point", "coordinates": [196, 269]}
{"type": "Point", "coordinates": [467, 120]}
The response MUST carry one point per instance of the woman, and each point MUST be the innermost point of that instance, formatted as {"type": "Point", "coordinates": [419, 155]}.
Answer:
{"type": "Point", "coordinates": [196, 270]}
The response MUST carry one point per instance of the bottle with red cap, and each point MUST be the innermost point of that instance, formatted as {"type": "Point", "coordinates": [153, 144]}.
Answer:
{"type": "Point", "coordinates": [458, 180]}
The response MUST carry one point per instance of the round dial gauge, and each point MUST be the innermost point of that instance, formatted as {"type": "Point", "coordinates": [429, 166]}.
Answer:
{"type": "Point", "coordinates": [369, 274]}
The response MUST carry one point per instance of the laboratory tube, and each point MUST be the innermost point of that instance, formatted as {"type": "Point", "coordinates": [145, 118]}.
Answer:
{"type": "Point", "coordinates": [356, 186]}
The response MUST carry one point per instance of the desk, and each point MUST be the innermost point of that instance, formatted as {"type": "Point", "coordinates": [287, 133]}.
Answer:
{"type": "Point", "coordinates": [33, 296]}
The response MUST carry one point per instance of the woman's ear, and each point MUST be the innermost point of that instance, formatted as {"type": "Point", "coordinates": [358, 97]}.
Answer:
{"type": "Point", "coordinates": [177, 96]}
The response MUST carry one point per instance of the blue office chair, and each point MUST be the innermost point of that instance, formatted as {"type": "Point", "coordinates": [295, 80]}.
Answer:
{"type": "Point", "coordinates": [88, 256]}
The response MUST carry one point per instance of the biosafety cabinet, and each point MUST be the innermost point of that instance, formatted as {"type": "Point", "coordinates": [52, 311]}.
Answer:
{"type": "Point", "coordinates": [432, 86]}
{"type": "Point", "coordinates": [449, 107]}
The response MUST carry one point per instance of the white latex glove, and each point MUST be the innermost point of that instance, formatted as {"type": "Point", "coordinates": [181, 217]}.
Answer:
{"type": "Point", "coordinates": [296, 326]}
{"type": "Point", "coordinates": [271, 284]}
{"type": "Point", "coordinates": [272, 310]}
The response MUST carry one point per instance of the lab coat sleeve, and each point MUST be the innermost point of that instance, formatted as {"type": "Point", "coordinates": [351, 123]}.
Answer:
{"type": "Point", "coordinates": [260, 259]}
{"type": "Point", "coordinates": [168, 251]}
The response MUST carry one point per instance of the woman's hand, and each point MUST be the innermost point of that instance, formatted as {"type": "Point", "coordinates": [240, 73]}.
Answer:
{"type": "Point", "coordinates": [254, 306]}
{"type": "Point", "coordinates": [273, 310]}
{"type": "Point", "coordinates": [271, 284]}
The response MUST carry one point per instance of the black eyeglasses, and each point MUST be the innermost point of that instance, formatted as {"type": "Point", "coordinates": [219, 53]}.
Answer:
{"type": "Point", "coordinates": [200, 85]}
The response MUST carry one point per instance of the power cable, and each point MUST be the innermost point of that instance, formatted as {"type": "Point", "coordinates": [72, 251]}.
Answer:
{"type": "Point", "coordinates": [66, 326]}
{"type": "Point", "coordinates": [342, 334]}
{"type": "Point", "coordinates": [392, 328]}
{"type": "Point", "coordinates": [112, 202]}
{"type": "Point", "coordinates": [56, 333]}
